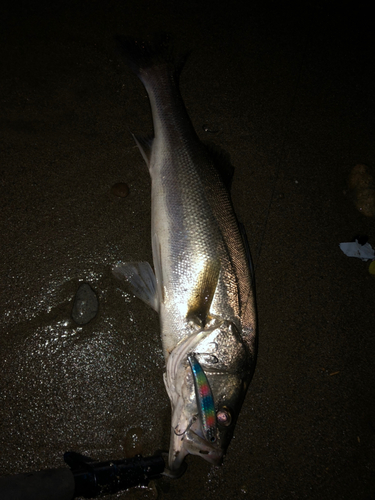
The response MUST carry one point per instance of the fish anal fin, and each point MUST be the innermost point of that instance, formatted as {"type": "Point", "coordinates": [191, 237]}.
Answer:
{"type": "Point", "coordinates": [141, 279]}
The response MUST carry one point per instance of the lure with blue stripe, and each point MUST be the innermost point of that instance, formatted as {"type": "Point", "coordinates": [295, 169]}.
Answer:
{"type": "Point", "coordinates": [205, 400]}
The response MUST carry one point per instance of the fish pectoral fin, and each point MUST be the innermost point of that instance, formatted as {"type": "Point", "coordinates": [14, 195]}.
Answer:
{"type": "Point", "coordinates": [144, 144]}
{"type": "Point", "coordinates": [141, 279]}
{"type": "Point", "coordinates": [203, 293]}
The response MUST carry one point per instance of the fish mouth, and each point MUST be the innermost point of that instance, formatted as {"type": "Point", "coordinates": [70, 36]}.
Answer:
{"type": "Point", "coordinates": [194, 425]}
{"type": "Point", "coordinates": [195, 445]}
{"type": "Point", "coordinates": [191, 443]}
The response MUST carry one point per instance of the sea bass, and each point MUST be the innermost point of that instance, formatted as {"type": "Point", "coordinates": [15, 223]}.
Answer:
{"type": "Point", "coordinates": [202, 286]}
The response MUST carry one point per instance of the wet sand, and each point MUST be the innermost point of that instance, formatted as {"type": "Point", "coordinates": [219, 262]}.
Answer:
{"type": "Point", "coordinates": [288, 93]}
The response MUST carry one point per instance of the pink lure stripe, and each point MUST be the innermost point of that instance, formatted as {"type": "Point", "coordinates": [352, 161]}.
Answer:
{"type": "Point", "coordinates": [205, 390]}
{"type": "Point", "coordinates": [211, 420]}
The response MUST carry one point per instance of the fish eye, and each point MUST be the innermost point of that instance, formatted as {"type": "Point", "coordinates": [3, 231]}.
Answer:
{"type": "Point", "coordinates": [224, 416]}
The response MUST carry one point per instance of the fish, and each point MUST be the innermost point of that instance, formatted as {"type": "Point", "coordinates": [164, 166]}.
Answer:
{"type": "Point", "coordinates": [202, 281]}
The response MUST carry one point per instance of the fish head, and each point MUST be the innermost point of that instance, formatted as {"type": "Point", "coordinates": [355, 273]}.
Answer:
{"type": "Point", "coordinates": [207, 378]}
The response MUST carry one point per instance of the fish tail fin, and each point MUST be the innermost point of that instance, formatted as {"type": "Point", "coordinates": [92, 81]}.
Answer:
{"type": "Point", "coordinates": [144, 57]}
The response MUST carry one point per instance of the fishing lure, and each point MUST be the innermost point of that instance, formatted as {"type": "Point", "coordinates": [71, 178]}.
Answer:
{"type": "Point", "coordinates": [205, 400]}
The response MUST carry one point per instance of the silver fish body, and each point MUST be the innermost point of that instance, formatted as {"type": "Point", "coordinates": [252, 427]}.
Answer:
{"type": "Point", "coordinates": [202, 287]}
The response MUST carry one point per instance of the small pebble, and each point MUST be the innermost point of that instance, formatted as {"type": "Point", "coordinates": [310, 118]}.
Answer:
{"type": "Point", "coordinates": [120, 189]}
{"type": "Point", "coordinates": [85, 306]}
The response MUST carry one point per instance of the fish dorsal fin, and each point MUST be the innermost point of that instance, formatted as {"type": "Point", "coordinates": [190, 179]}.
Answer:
{"type": "Point", "coordinates": [144, 144]}
{"type": "Point", "coordinates": [203, 293]}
